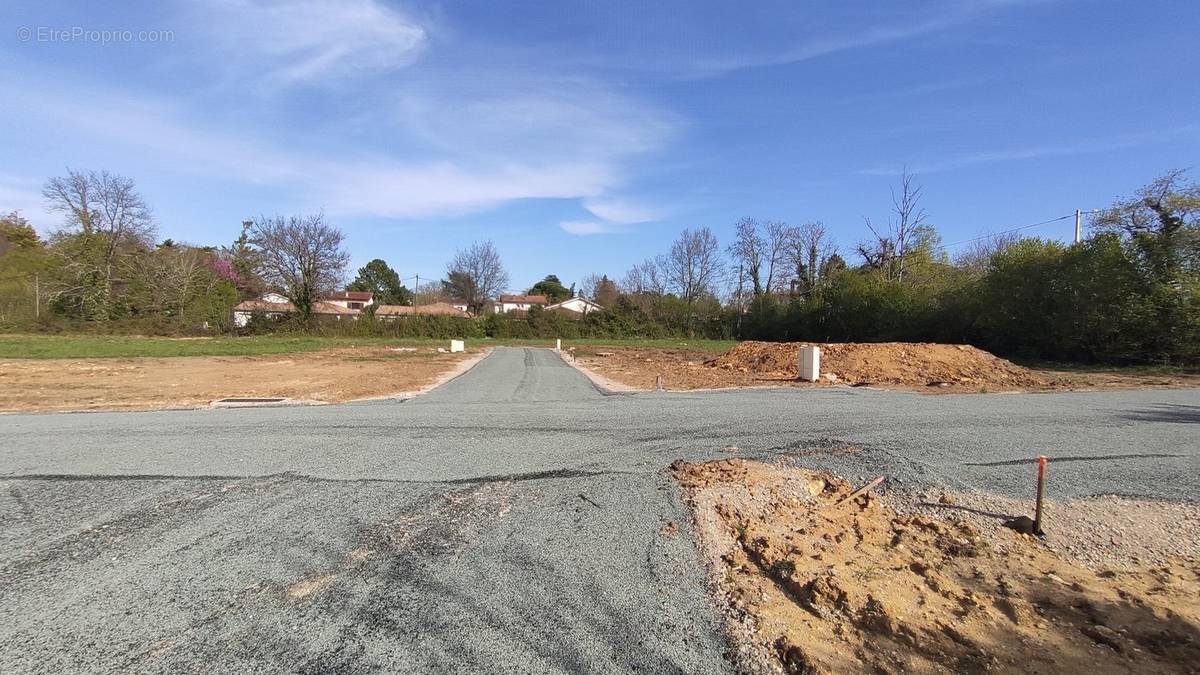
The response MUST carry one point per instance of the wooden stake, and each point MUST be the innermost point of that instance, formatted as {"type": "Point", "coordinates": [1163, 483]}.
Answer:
{"type": "Point", "coordinates": [1041, 487]}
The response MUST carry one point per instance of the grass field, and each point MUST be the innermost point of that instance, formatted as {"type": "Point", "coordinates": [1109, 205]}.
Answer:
{"type": "Point", "coordinates": [20, 346]}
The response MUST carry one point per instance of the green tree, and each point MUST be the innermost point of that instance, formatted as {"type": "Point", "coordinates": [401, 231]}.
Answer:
{"type": "Point", "coordinates": [552, 288]}
{"type": "Point", "coordinates": [380, 279]}
{"type": "Point", "coordinates": [23, 264]}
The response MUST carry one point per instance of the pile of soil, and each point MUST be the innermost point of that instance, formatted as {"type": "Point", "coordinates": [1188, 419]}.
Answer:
{"type": "Point", "coordinates": [813, 581]}
{"type": "Point", "coordinates": [894, 363]}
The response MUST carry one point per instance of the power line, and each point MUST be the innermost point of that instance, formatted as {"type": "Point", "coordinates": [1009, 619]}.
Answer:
{"type": "Point", "coordinates": [1009, 231]}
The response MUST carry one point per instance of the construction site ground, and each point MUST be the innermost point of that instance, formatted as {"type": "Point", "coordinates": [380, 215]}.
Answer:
{"type": "Point", "coordinates": [925, 367]}
{"type": "Point", "coordinates": [811, 579]}
{"type": "Point", "coordinates": [147, 383]}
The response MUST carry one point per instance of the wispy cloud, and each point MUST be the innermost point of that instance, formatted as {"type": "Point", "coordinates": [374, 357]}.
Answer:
{"type": "Point", "coordinates": [620, 210]}
{"type": "Point", "coordinates": [310, 40]}
{"type": "Point", "coordinates": [934, 17]}
{"type": "Point", "coordinates": [1106, 144]}
{"type": "Point", "coordinates": [483, 153]}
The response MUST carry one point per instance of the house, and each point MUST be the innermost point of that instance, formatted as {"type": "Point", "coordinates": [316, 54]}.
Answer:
{"type": "Point", "coordinates": [520, 303]}
{"type": "Point", "coordinates": [274, 306]}
{"type": "Point", "coordinates": [433, 309]}
{"type": "Point", "coordinates": [575, 305]}
{"type": "Point", "coordinates": [350, 299]}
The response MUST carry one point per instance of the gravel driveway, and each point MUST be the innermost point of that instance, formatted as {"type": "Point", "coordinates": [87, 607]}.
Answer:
{"type": "Point", "coordinates": [511, 520]}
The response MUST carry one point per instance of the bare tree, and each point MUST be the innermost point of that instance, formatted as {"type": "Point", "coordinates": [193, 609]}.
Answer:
{"type": "Point", "coordinates": [748, 251]}
{"type": "Point", "coordinates": [101, 203]}
{"type": "Point", "coordinates": [302, 256]}
{"type": "Point", "coordinates": [808, 246]}
{"type": "Point", "coordinates": [107, 221]}
{"type": "Point", "coordinates": [906, 225]}
{"type": "Point", "coordinates": [476, 274]}
{"type": "Point", "coordinates": [643, 278]}
{"type": "Point", "coordinates": [776, 235]}
{"type": "Point", "coordinates": [693, 267]}
{"type": "Point", "coordinates": [588, 286]}
{"type": "Point", "coordinates": [976, 256]}
{"type": "Point", "coordinates": [430, 292]}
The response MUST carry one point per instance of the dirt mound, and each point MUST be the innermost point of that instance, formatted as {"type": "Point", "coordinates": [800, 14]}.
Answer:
{"type": "Point", "coordinates": [814, 580]}
{"type": "Point", "coordinates": [903, 363]}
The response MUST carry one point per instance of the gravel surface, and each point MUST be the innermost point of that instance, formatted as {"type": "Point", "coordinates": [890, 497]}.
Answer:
{"type": "Point", "coordinates": [510, 520]}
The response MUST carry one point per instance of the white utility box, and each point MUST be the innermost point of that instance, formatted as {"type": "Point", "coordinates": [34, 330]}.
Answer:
{"type": "Point", "coordinates": [810, 363]}
{"type": "Point", "coordinates": [457, 346]}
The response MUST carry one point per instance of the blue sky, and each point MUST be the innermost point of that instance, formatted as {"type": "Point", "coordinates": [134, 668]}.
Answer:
{"type": "Point", "coordinates": [582, 137]}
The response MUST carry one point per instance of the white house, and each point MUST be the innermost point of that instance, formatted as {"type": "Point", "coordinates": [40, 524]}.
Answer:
{"type": "Point", "coordinates": [520, 303]}
{"type": "Point", "coordinates": [577, 305]}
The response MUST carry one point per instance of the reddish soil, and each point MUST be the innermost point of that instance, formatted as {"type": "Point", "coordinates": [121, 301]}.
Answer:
{"type": "Point", "coordinates": [813, 581]}
{"type": "Point", "coordinates": [926, 367]}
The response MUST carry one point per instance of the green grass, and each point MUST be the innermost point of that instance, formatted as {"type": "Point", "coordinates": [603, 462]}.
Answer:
{"type": "Point", "coordinates": [19, 346]}
{"type": "Point", "coordinates": [112, 346]}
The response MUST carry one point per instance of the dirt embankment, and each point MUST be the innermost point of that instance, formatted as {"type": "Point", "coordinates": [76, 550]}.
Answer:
{"type": "Point", "coordinates": [190, 381]}
{"type": "Point", "coordinates": [927, 367]}
{"type": "Point", "coordinates": [895, 363]}
{"type": "Point", "coordinates": [812, 581]}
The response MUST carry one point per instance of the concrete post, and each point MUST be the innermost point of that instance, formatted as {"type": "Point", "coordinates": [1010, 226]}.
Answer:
{"type": "Point", "coordinates": [810, 363]}
{"type": "Point", "coordinates": [558, 344]}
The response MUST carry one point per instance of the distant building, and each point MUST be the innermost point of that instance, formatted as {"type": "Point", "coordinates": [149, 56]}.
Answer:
{"type": "Point", "coordinates": [576, 305]}
{"type": "Point", "coordinates": [433, 309]}
{"type": "Point", "coordinates": [350, 299]}
{"type": "Point", "coordinates": [337, 305]}
{"type": "Point", "coordinates": [518, 303]}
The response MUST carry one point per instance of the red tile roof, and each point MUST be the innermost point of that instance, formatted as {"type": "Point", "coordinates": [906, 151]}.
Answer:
{"type": "Point", "coordinates": [526, 299]}
{"type": "Point", "coordinates": [437, 308]}
{"type": "Point", "coordinates": [319, 307]}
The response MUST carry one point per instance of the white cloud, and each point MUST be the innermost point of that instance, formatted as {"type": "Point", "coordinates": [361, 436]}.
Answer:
{"type": "Point", "coordinates": [620, 210]}
{"type": "Point", "coordinates": [934, 17]}
{"type": "Point", "coordinates": [401, 190]}
{"type": "Point", "coordinates": [448, 180]}
{"type": "Point", "coordinates": [303, 40]}
{"type": "Point", "coordinates": [586, 228]}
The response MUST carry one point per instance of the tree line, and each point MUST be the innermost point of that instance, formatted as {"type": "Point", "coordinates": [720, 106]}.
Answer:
{"type": "Point", "coordinates": [1128, 293]}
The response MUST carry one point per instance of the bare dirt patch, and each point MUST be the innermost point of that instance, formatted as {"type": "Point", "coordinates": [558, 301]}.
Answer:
{"type": "Point", "coordinates": [925, 367]}
{"type": "Point", "coordinates": [812, 581]}
{"type": "Point", "coordinates": [180, 382]}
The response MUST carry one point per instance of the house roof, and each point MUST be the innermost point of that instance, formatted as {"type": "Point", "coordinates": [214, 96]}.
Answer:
{"type": "Point", "coordinates": [585, 301]}
{"type": "Point", "coordinates": [436, 308]}
{"type": "Point", "coordinates": [526, 299]}
{"type": "Point", "coordinates": [356, 296]}
{"type": "Point", "coordinates": [262, 306]}
{"type": "Point", "coordinates": [319, 307]}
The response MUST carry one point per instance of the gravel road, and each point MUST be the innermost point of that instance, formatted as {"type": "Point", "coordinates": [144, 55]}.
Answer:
{"type": "Point", "coordinates": [508, 521]}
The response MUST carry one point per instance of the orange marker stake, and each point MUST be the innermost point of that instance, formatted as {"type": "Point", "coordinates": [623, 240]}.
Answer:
{"type": "Point", "coordinates": [1041, 486]}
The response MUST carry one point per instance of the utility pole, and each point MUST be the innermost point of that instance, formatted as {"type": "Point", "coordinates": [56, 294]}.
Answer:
{"type": "Point", "coordinates": [37, 296]}
{"type": "Point", "coordinates": [1078, 226]}
{"type": "Point", "coordinates": [416, 287]}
